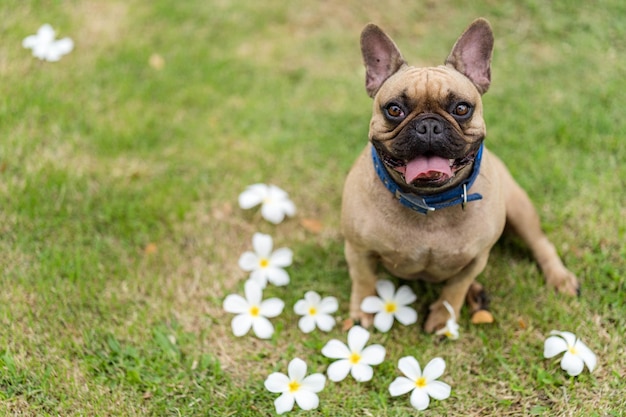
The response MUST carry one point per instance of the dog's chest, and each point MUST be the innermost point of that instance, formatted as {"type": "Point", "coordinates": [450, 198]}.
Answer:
{"type": "Point", "coordinates": [432, 262]}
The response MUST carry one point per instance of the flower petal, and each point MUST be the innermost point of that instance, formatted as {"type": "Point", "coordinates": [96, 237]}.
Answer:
{"type": "Point", "coordinates": [573, 364]}
{"type": "Point", "coordinates": [434, 369]}
{"type": "Point", "coordinates": [357, 338]}
{"type": "Point", "coordinates": [271, 307]}
{"type": "Point", "coordinates": [406, 315]}
{"type": "Point", "coordinates": [306, 324]}
{"type": "Point", "coordinates": [277, 276]}
{"type": "Point", "coordinates": [373, 355]}
{"type": "Point", "coordinates": [262, 245]}
{"type": "Point", "coordinates": [328, 305]}
{"type": "Point", "coordinates": [588, 357]}
{"type": "Point", "coordinates": [385, 289]}
{"type": "Point", "coordinates": [362, 372]}
{"type": "Point", "coordinates": [281, 257]}
{"type": "Point", "coordinates": [312, 298]}
{"type": "Point", "coordinates": [30, 41]}
{"type": "Point", "coordinates": [569, 337]}
{"type": "Point", "coordinates": [372, 304]}
{"type": "Point", "coordinates": [277, 382]}
{"type": "Point", "coordinates": [405, 295]}
{"type": "Point", "coordinates": [59, 48]}
{"type": "Point", "coordinates": [272, 212]}
{"type": "Point", "coordinates": [296, 369]}
{"type": "Point", "coordinates": [306, 400]}
{"type": "Point", "coordinates": [276, 193]}
{"type": "Point", "coordinates": [401, 386]}
{"type": "Point", "coordinates": [383, 321]}
{"type": "Point", "coordinates": [420, 399]}
{"type": "Point", "coordinates": [438, 390]}
{"type": "Point", "coordinates": [335, 349]}
{"type": "Point", "coordinates": [241, 324]}
{"type": "Point", "coordinates": [252, 196]}
{"type": "Point", "coordinates": [253, 292]}
{"type": "Point", "coordinates": [235, 303]}
{"type": "Point", "coordinates": [262, 327]}
{"type": "Point", "coordinates": [314, 382]}
{"type": "Point", "coordinates": [553, 346]}
{"type": "Point", "coordinates": [248, 261]}
{"type": "Point", "coordinates": [288, 207]}
{"type": "Point", "coordinates": [338, 370]}
{"type": "Point", "coordinates": [284, 403]}
{"type": "Point", "coordinates": [301, 307]}
{"type": "Point", "coordinates": [410, 367]}
{"type": "Point", "coordinates": [325, 322]}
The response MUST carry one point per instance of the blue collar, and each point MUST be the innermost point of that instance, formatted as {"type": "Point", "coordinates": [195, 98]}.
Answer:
{"type": "Point", "coordinates": [425, 204]}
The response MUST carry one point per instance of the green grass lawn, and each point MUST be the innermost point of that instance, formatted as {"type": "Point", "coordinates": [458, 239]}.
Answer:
{"type": "Point", "coordinates": [120, 168]}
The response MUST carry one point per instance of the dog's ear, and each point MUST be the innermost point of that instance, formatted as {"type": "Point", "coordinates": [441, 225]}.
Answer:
{"type": "Point", "coordinates": [471, 54]}
{"type": "Point", "coordinates": [381, 57]}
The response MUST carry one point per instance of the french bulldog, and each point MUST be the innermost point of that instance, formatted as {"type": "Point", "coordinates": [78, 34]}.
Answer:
{"type": "Point", "coordinates": [425, 198]}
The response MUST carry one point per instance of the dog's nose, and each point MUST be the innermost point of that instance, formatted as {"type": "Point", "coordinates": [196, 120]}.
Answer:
{"type": "Point", "coordinates": [429, 128]}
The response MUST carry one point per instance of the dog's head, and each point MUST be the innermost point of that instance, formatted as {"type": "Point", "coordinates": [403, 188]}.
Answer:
{"type": "Point", "coordinates": [427, 123]}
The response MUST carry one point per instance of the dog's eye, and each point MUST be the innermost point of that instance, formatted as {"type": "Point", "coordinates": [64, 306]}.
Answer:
{"type": "Point", "coordinates": [462, 110]}
{"type": "Point", "coordinates": [394, 111]}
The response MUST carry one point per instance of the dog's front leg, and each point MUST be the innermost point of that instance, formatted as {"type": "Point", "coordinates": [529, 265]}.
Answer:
{"type": "Point", "coordinates": [454, 292]}
{"type": "Point", "coordinates": [362, 269]}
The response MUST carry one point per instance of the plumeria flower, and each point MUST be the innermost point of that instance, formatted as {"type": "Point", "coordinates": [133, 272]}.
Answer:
{"type": "Point", "coordinates": [315, 312]}
{"type": "Point", "coordinates": [265, 265]}
{"type": "Point", "coordinates": [44, 45]}
{"type": "Point", "coordinates": [577, 354]}
{"type": "Point", "coordinates": [451, 331]}
{"type": "Point", "coordinates": [253, 311]}
{"type": "Point", "coordinates": [354, 358]}
{"type": "Point", "coordinates": [275, 202]}
{"type": "Point", "coordinates": [389, 305]}
{"type": "Point", "coordinates": [422, 384]}
{"type": "Point", "coordinates": [295, 387]}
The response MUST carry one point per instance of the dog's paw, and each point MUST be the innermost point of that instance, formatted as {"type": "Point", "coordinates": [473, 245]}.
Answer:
{"type": "Point", "coordinates": [437, 317]}
{"type": "Point", "coordinates": [563, 280]}
{"type": "Point", "coordinates": [359, 318]}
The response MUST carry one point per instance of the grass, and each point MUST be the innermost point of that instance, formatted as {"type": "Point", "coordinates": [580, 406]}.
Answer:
{"type": "Point", "coordinates": [120, 231]}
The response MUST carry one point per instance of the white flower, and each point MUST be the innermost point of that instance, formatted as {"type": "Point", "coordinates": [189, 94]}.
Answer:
{"type": "Point", "coordinates": [423, 385]}
{"type": "Point", "coordinates": [275, 202]}
{"type": "Point", "coordinates": [451, 331]}
{"type": "Point", "coordinates": [389, 305]}
{"type": "Point", "coordinates": [45, 47]}
{"type": "Point", "coordinates": [354, 358]}
{"type": "Point", "coordinates": [252, 311]}
{"type": "Point", "coordinates": [265, 265]}
{"type": "Point", "coordinates": [315, 312]}
{"type": "Point", "coordinates": [577, 354]}
{"type": "Point", "coordinates": [296, 387]}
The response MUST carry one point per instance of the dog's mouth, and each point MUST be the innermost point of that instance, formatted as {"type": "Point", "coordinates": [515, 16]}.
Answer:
{"type": "Point", "coordinates": [427, 170]}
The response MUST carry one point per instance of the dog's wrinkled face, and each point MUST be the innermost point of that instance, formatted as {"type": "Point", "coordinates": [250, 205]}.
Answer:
{"type": "Point", "coordinates": [427, 123]}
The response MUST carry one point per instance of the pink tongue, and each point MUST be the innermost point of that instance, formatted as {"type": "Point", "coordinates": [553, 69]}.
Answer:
{"type": "Point", "coordinates": [427, 168]}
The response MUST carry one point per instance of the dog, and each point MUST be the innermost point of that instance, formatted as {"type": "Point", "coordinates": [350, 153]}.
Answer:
{"type": "Point", "coordinates": [425, 198]}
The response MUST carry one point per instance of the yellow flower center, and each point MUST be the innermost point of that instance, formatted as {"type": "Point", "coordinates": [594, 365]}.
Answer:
{"type": "Point", "coordinates": [254, 311]}
{"type": "Point", "coordinates": [573, 350]}
{"type": "Point", "coordinates": [264, 263]}
{"type": "Point", "coordinates": [294, 386]}
{"type": "Point", "coordinates": [312, 311]}
{"type": "Point", "coordinates": [391, 307]}
{"type": "Point", "coordinates": [421, 382]}
{"type": "Point", "coordinates": [354, 358]}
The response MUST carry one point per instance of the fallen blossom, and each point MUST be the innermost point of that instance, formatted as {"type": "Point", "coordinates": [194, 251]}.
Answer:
{"type": "Point", "coordinates": [252, 311]}
{"type": "Point", "coordinates": [354, 358]}
{"type": "Point", "coordinates": [422, 385]}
